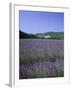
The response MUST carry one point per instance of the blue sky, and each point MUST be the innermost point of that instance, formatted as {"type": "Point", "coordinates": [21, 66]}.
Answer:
{"type": "Point", "coordinates": [41, 22]}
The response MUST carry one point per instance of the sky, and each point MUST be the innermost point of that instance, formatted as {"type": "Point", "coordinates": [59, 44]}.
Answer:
{"type": "Point", "coordinates": [41, 22]}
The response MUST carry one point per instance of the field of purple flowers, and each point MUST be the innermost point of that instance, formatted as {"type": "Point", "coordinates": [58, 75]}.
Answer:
{"type": "Point", "coordinates": [41, 58]}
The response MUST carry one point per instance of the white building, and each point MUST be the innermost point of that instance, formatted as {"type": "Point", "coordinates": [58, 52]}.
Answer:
{"type": "Point", "coordinates": [48, 36]}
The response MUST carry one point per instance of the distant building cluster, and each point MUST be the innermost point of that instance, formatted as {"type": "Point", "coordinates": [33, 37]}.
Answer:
{"type": "Point", "coordinates": [47, 36]}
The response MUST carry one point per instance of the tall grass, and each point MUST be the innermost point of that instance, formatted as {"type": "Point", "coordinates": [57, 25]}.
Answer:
{"type": "Point", "coordinates": [32, 59]}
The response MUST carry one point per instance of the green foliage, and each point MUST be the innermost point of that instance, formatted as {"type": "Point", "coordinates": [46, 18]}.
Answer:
{"type": "Point", "coordinates": [60, 71]}
{"type": "Point", "coordinates": [53, 58]}
{"type": "Point", "coordinates": [53, 35]}
{"type": "Point", "coordinates": [32, 59]}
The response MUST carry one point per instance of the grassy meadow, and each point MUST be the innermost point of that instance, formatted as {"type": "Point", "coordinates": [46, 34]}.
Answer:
{"type": "Point", "coordinates": [41, 58]}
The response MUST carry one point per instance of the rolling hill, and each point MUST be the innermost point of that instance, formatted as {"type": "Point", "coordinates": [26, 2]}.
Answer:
{"type": "Point", "coordinates": [23, 35]}
{"type": "Point", "coordinates": [46, 35]}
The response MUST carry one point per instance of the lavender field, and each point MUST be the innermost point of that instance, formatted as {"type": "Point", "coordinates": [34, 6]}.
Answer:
{"type": "Point", "coordinates": [41, 58]}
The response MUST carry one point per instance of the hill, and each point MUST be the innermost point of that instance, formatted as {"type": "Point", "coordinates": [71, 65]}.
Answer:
{"type": "Point", "coordinates": [23, 35]}
{"type": "Point", "coordinates": [46, 35]}
{"type": "Point", "coordinates": [51, 35]}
